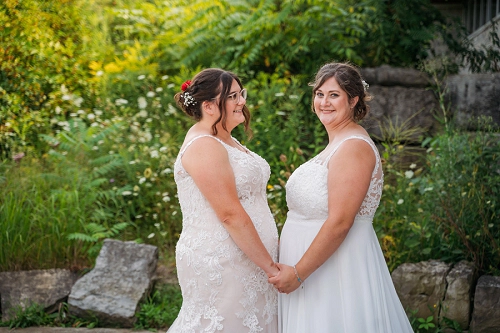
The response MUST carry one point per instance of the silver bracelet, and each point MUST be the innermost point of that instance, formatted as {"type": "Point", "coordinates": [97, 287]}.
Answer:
{"type": "Point", "coordinates": [297, 274]}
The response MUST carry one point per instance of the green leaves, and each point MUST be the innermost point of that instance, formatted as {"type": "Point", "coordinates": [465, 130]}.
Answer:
{"type": "Point", "coordinates": [283, 37]}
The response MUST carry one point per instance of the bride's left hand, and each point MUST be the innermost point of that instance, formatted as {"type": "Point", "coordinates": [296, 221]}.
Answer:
{"type": "Point", "coordinates": [285, 281]}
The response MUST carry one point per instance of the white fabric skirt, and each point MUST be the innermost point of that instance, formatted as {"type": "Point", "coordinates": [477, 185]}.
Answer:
{"type": "Point", "coordinates": [352, 292]}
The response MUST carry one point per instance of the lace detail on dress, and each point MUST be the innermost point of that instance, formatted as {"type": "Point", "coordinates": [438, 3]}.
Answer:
{"type": "Point", "coordinates": [307, 190]}
{"type": "Point", "coordinates": [374, 193]}
{"type": "Point", "coordinates": [222, 289]}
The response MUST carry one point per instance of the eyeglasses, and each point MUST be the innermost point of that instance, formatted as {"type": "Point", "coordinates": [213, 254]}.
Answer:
{"type": "Point", "coordinates": [235, 97]}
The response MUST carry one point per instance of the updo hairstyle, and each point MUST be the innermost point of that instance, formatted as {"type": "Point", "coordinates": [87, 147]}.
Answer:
{"type": "Point", "coordinates": [206, 86]}
{"type": "Point", "coordinates": [349, 79]}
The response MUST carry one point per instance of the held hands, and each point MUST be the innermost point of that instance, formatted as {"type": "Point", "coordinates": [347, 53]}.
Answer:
{"type": "Point", "coordinates": [286, 280]}
{"type": "Point", "coordinates": [273, 271]}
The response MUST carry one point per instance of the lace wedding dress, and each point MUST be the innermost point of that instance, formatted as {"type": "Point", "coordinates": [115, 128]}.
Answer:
{"type": "Point", "coordinates": [222, 290]}
{"type": "Point", "coordinates": [352, 292]}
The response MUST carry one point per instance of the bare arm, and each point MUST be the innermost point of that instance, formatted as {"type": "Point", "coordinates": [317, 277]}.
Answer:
{"type": "Point", "coordinates": [207, 162]}
{"type": "Point", "coordinates": [349, 175]}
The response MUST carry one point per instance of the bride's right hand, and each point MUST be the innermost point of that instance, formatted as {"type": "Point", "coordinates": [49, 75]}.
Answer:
{"type": "Point", "coordinates": [274, 271]}
{"type": "Point", "coordinates": [285, 281]}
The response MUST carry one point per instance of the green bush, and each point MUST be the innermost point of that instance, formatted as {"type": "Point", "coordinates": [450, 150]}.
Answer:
{"type": "Point", "coordinates": [160, 309]}
{"type": "Point", "coordinates": [445, 206]}
{"type": "Point", "coordinates": [45, 49]}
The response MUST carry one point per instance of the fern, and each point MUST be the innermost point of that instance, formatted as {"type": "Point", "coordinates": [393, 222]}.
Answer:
{"type": "Point", "coordinates": [95, 233]}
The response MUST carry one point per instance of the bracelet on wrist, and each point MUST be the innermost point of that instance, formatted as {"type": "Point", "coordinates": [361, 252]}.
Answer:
{"type": "Point", "coordinates": [297, 274]}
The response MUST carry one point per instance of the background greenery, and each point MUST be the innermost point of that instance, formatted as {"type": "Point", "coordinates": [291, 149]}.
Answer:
{"type": "Point", "coordinates": [89, 130]}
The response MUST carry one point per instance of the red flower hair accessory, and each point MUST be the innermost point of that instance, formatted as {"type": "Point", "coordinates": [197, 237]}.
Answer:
{"type": "Point", "coordinates": [185, 85]}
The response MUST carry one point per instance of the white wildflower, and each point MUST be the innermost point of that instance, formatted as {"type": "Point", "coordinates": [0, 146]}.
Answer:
{"type": "Point", "coordinates": [78, 101]}
{"type": "Point", "coordinates": [141, 101]}
{"type": "Point", "coordinates": [121, 101]}
{"type": "Point", "coordinates": [409, 174]}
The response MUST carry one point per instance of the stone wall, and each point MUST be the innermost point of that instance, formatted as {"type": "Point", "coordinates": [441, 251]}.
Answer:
{"type": "Point", "coordinates": [405, 98]}
{"type": "Point", "coordinates": [449, 293]}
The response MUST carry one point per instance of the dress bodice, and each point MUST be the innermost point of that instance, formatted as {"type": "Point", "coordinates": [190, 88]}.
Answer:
{"type": "Point", "coordinates": [307, 188]}
{"type": "Point", "coordinates": [251, 173]}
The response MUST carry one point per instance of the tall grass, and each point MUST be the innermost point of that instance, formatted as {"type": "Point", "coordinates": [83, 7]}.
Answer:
{"type": "Point", "coordinates": [37, 212]}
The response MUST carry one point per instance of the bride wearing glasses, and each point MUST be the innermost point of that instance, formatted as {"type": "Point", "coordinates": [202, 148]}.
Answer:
{"type": "Point", "coordinates": [229, 242]}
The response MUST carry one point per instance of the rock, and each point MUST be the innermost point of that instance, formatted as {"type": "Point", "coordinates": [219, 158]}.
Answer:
{"type": "Point", "coordinates": [393, 76]}
{"type": "Point", "coordinates": [404, 108]}
{"type": "Point", "coordinates": [122, 277]}
{"type": "Point", "coordinates": [486, 314]}
{"type": "Point", "coordinates": [421, 287]}
{"type": "Point", "coordinates": [474, 95]}
{"type": "Point", "coordinates": [44, 287]}
{"type": "Point", "coordinates": [457, 300]}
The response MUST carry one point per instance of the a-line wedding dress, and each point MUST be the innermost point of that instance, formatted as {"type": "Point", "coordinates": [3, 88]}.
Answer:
{"type": "Point", "coordinates": [352, 292]}
{"type": "Point", "coordinates": [223, 290]}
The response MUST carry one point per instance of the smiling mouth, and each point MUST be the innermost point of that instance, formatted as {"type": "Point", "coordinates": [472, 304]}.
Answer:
{"type": "Point", "coordinates": [237, 111]}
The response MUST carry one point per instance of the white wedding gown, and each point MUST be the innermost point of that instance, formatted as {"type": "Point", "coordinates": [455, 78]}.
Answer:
{"type": "Point", "coordinates": [352, 292]}
{"type": "Point", "coordinates": [223, 290]}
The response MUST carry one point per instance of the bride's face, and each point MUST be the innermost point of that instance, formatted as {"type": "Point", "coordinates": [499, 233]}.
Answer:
{"type": "Point", "coordinates": [331, 103]}
{"type": "Point", "coordinates": [234, 104]}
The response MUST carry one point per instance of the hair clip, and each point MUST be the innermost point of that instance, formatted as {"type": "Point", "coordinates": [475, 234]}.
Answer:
{"type": "Point", "coordinates": [365, 85]}
{"type": "Point", "coordinates": [188, 99]}
{"type": "Point", "coordinates": [185, 85]}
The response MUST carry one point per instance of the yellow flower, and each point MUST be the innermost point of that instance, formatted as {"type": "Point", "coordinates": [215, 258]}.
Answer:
{"type": "Point", "coordinates": [148, 173]}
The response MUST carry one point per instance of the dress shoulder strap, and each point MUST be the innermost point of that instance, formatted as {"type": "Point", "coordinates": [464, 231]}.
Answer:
{"type": "Point", "coordinates": [359, 137]}
{"type": "Point", "coordinates": [183, 150]}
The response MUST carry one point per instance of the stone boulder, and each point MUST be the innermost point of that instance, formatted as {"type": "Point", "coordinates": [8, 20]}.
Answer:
{"type": "Point", "coordinates": [486, 314]}
{"type": "Point", "coordinates": [44, 287]}
{"type": "Point", "coordinates": [474, 95]}
{"type": "Point", "coordinates": [421, 287]}
{"type": "Point", "coordinates": [402, 107]}
{"type": "Point", "coordinates": [386, 75]}
{"type": "Point", "coordinates": [403, 114]}
{"type": "Point", "coordinates": [122, 277]}
{"type": "Point", "coordinates": [457, 300]}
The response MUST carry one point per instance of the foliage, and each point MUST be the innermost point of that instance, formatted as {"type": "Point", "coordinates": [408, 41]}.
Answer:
{"type": "Point", "coordinates": [160, 309]}
{"type": "Point", "coordinates": [267, 36]}
{"type": "Point", "coordinates": [35, 315]}
{"type": "Point", "coordinates": [478, 59]}
{"type": "Point", "coordinates": [465, 179]}
{"type": "Point", "coordinates": [401, 32]}
{"type": "Point", "coordinates": [41, 204]}
{"type": "Point", "coordinates": [45, 47]}
{"type": "Point", "coordinates": [444, 206]}
{"type": "Point", "coordinates": [96, 233]}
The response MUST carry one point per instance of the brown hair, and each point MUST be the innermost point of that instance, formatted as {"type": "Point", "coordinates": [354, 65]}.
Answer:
{"type": "Point", "coordinates": [349, 79]}
{"type": "Point", "coordinates": [205, 86]}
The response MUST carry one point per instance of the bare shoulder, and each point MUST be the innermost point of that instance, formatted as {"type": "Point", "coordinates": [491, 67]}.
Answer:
{"type": "Point", "coordinates": [354, 153]}
{"type": "Point", "coordinates": [204, 150]}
